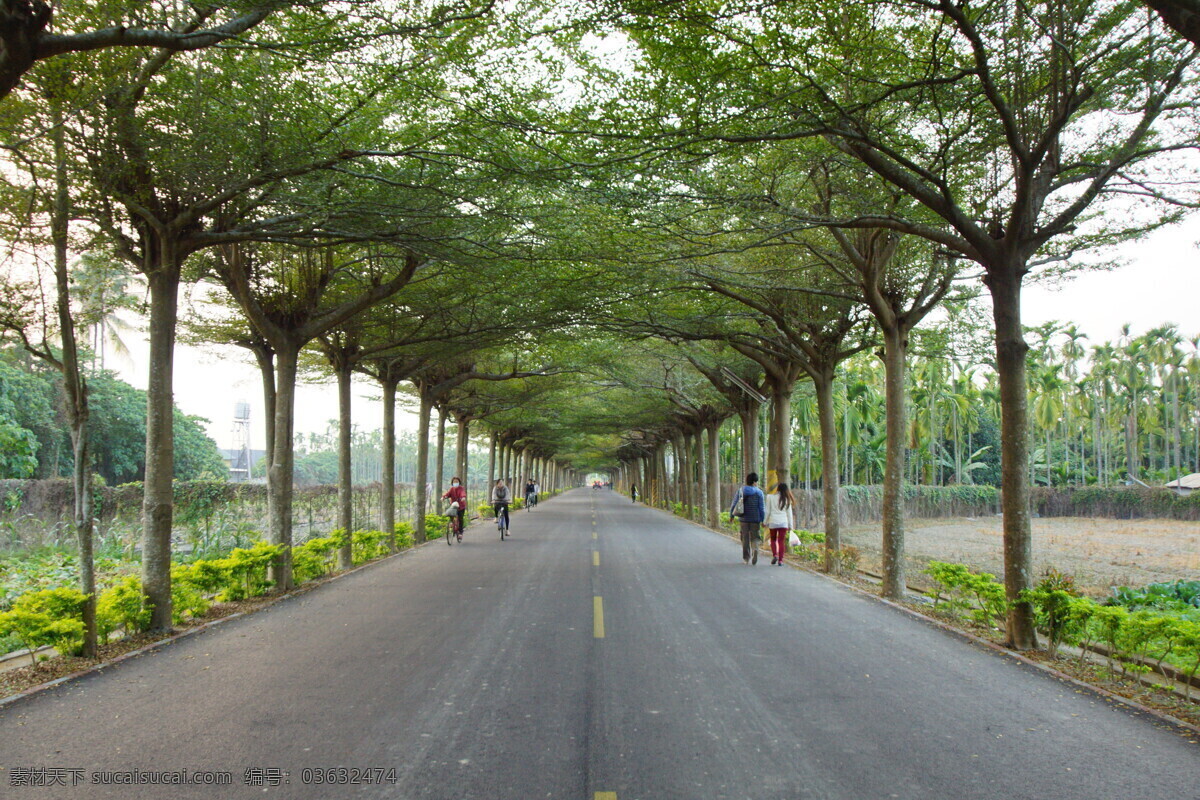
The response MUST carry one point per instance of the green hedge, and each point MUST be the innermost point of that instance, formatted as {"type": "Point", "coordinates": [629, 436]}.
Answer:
{"type": "Point", "coordinates": [1131, 637]}
{"type": "Point", "coordinates": [1116, 502]}
{"type": "Point", "coordinates": [55, 616]}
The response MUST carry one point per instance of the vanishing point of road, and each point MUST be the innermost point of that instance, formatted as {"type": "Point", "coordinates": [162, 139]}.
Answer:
{"type": "Point", "coordinates": [605, 652]}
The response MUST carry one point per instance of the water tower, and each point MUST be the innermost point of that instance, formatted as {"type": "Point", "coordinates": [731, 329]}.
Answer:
{"type": "Point", "coordinates": [239, 463]}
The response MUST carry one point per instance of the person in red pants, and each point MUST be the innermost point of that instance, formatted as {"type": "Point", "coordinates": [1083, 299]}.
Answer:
{"type": "Point", "coordinates": [779, 520]}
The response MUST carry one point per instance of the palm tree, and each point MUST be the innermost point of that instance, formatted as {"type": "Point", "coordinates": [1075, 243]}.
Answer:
{"type": "Point", "coordinates": [102, 284]}
{"type": "Point", "coordinates": [1047, 405]}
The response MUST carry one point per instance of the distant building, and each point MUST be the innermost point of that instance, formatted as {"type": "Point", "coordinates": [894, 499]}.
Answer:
{"type": "Point", "coordinates": [241, 463]}
{"type": "Point", "coordinates": [1187, 484]}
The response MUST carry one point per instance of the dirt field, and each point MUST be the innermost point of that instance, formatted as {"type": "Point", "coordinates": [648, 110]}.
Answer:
{"type": "Point", "coordinates": [1100, 553]}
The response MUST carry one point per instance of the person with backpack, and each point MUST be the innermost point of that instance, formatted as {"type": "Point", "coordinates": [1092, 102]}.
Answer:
{"type": "Point", "coordinates": [749, 507]}
{"type": "Point", "coordinates": [779, 520]}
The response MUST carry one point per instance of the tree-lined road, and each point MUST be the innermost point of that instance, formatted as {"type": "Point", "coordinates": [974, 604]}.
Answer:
{"type": "Point", "coordinates": [605, 651]}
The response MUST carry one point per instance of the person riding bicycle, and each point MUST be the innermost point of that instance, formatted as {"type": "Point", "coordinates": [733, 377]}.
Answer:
{"type": "Point", "coordinates": [457, 494]}
{"type": "Point", "coordinates": [501, 496]}
{"type": "Point", "coordinates": [530, 493]}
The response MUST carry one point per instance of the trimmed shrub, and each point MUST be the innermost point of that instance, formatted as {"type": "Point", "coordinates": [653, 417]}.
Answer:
{"type": "Point", "coordinates": [47, 617]}
{"type": "Point", "coordinates": [123, 605]}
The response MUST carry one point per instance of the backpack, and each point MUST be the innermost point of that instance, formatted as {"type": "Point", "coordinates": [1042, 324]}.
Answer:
{"type": "Point", "coordinates": [739, 508]}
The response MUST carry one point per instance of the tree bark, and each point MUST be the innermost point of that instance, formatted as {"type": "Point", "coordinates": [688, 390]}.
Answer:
{"type": "Point", "coordinates": [779, 467]}
{"type": "Point", "coordinates": [345, 468]}
{"type": "Point", "coordinates": [1004, 283]}
{"type": "Point", "coordinates": [158, 502]}
{"type": "Point", "coordinates": [266, 368]}
{"type": "Point", "coordinates": [422, 478]}
{"type": "Point", "coordinates": [698, 476]}
{"type": "Point", "coordinates": [74, 385]}
{"type": "Point", "coordinates": [894, 355]}
{"type": "Point", "coordinates": [441, 456]}
{"type": "Point", "coordinates": [491, 481]}
{"type": "Point", "coordinates": [749, 417]}
{"type": "Point", "coordinates": [830, 479]}
{"type": "Point", "coordinates": [281, 467]}
{"type": "Point", "coordinates": [461, 463]}
{"type": "Point", "coordinates": [714, 476]}
{"type": "Point", "coordinates": [683, 469]}
{"type": "Point", "coordinates": [387, 491]}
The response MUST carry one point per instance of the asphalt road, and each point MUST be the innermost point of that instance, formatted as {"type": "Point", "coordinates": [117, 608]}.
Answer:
{"type": "Point", "coordinates": [491, 671]}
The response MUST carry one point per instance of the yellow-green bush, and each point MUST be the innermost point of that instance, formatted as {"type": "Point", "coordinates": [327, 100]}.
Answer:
{"type": "Point", "coordinates": [123, 605]}
{"type": "Point", "coordinates": [47, 617]}
{"type": "Point", "coordinates": [314, 558]}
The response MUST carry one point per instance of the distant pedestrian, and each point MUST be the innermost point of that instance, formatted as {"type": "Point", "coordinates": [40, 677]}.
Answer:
{"type": "Point", "coordinates": [751, 515]}
{"type": "Point", "coordinates": [633, 492]}
{"type": "Point", "coordinates": [779, 520]}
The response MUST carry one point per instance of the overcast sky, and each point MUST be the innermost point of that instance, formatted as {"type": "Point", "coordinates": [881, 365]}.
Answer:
{"type": "Point", "coordinates": [1159, 284]}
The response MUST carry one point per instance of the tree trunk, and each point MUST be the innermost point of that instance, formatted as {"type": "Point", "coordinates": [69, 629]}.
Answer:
{"type": "Point", "coordinates": [422, 479]}
{"type": "Point", "coordinates": [1004, 283]}
{"type": "Point", "coordinates": [158, 502]}
{"type": "Point", "coordinates": [266, 368]}
{"type": "Point", "coordinates": [438, 488]}
{"type": "Point", "coordinates": [779, 467]}
{"type": "Point", "coordinates": [74, 386]}
{"type": "Point", "coordinates": [698, 477]}
{"type": "Point", "coordinates": [686, 485]}
{"type": "Point", "coordinates": [345, 469]}
{"type": "Point", "coordinates": [894, 355]}
{"type": "Point", "coordinates": [830, 478]}
{"type": "Point", "coordinates": [714, 476]}
{"type": "Point", "coordinates": [387, 492]}
{"type": "Point", "coordinates": [491, 480]}
{"type": "Point", "coordinates": [749, 418]}
{"type": "Point", "coordinates": [461, 465]}
{"type": "Point", "coordinates": [280, 468]}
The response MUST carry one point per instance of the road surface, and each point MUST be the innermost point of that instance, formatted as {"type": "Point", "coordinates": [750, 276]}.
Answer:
{"type": "Point", "coordinates": [605, 652]}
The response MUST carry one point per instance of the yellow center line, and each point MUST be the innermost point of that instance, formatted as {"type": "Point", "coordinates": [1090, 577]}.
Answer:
{"type": "Point", "coordinates": [595, 558]}
{"type": "Point", "coordinates": [598, 617]}
{"type": "Point", "coordinates": [605, 796]}
{"type": "Point", "coordinates": [595, 535]}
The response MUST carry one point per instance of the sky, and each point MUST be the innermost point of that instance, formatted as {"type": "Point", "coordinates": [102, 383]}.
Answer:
{"type": "Point", "coordinates": [1159, 283]}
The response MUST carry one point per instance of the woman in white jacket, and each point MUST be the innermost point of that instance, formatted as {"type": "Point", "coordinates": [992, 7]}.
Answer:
{"type": "Point", "coordinates": [779, 520]}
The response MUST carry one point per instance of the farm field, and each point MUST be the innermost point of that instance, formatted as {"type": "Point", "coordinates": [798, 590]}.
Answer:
{"type": "Point", "coordinates": [1100, 553]}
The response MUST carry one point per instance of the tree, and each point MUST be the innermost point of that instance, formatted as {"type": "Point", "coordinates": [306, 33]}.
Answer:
{"type": "Point", "coordinates": [25, 37]}
{"type": "Point", "coordinates": [183, 155]}
{"type": "Point", "coordinates": [290, 298]}
{"type": "Point", "coordinates": [1012, 127]}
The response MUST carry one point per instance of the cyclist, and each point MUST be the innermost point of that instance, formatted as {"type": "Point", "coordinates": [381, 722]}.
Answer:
{"type": "Point", "coordinates": [530, 494]}
{"type": "Point", "coordinates": [457, 494]}
{"type": "Point", "coordinates": [500, 500]}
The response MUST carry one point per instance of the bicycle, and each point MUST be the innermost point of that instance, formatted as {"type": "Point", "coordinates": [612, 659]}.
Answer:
{"type": "Point", "coordinates": [453, 528]}
{"type": "Point", "coordinates": [502, 522]}
{"type": "Point", "coordinates": [530, 501]}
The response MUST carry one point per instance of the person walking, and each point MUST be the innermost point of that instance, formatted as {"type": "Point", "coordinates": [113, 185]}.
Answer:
{"type": "Point", "coordinates": [633, 492]}
{"type": "Point", "coordinates": [779, 520]}
{"type": "Point", "coordinates": [752, 512]}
